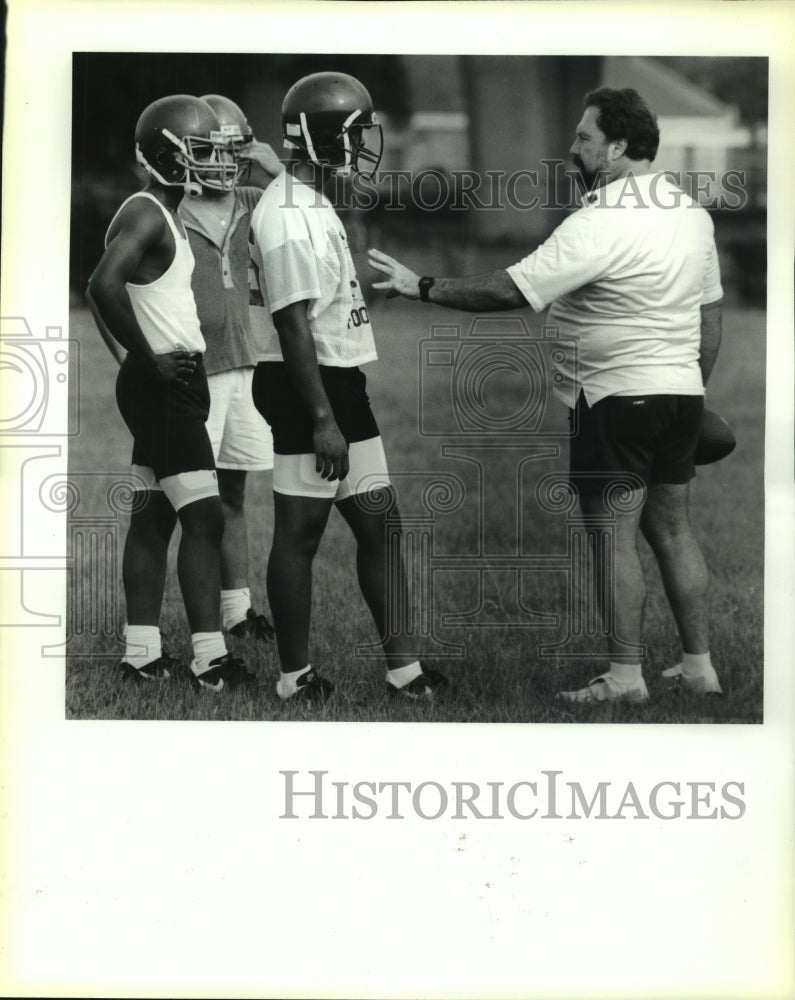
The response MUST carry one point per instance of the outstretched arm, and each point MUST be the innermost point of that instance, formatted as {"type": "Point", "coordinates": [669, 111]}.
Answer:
{"type": "Point", "coordinates": [711, 332]}
{"type": "Point", "coordinates": [490, 292]}
{"type": "Point", "coordinates": [300, 359]}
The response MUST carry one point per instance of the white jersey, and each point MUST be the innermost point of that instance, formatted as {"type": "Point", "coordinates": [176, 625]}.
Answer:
{"type": "Point", "coordinates": [627, 275]}
{"type": "Point", "coordinates": [165, 308]}
{"type": "Point", "coordinates": [301, 253]}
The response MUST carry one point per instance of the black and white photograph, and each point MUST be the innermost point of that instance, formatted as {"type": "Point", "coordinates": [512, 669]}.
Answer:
{"type": "Point", "coordinates": [398, 471]}
{"type": "Point", "coordinates": [502, 548]}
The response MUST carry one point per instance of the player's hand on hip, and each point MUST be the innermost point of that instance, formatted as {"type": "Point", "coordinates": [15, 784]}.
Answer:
{"type": "Point", "coordinates": [331, 450]}
{"type": "Point", "coordinates": [178, 366]}
{"type": "Point", "coordinates": [264, 156]}
{"type": "Point", "coordinates": [399, 279]}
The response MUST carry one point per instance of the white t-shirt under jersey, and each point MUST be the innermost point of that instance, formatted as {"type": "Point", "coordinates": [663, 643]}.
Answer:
{"type": "Point", "coordinates": [301, 253]}
{"type": "Point", "coordinates": [165, 308]}
{"type": "Point", "coordinates": [627, 274]}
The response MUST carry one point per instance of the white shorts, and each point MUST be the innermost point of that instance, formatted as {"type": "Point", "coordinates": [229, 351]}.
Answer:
{"type": "Point", "coordinates": [240, 437]}
{"type": "Point", "coordinates": [295, 475]}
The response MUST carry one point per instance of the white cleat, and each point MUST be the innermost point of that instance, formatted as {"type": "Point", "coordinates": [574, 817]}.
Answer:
{"type": "Point", "coordinates": [606, 688]}
{"type": "Point", "coordinates": [706, 683]}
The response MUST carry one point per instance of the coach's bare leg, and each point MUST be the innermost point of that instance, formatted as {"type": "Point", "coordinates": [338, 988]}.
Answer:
{"type": "Point", "coordinates": [629, 586]}
{"type": "Point", "coordinates": [381, 581]}
{"type": "Point", "coordinates": [234, 549]}
{"type": "Point", "coordinates": [298, 526]}
{"type": "Point", "coordinates": [666, 526]}
{"type": "Point", "coordinates": [199, 563]}
{"type": "Point", "coordinates": [145, 558]}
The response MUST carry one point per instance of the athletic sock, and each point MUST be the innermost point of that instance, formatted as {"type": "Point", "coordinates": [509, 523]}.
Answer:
{"type": "Point", "coordinates": [696, 664]}
{"type": "Point", "coordinates": [207, 646]}
{"type": "Point", "coordinates": [234, 605]}
{"type": "Point", "coordinates": [142, 645]}
{"type": "Point", "coordinates": [287, 683]}
{"type": "Point", "coordinates": [626, 673]}
{"type": "Point", "coordinates": [401, 676]}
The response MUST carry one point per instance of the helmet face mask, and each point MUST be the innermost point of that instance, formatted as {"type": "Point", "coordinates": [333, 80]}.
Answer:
{"type": "Point", "coordinates": [208, 162]}
{"type": "Point", "coordinates": [235, 132]}
{"type": "Point", "coordinates": [178, 142]}
{"type": "Point", "coordinates": [330, 117]}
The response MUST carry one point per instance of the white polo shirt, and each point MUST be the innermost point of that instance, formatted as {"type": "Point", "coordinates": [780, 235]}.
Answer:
{"type": "Point", "coordinates": [301, 253]}
{"type": "Point", "coordinates": [627, 274]}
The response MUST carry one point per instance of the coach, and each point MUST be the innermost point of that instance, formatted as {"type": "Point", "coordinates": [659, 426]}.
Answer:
{"type": "Point", "coordinates": [633, 280]}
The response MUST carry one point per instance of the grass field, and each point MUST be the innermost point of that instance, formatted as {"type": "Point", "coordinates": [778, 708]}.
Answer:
{"type": "Point", "coordinates": [500, 677]}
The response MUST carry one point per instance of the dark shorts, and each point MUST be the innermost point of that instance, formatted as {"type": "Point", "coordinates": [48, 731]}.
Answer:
{"type": "Point", "coordinates": [276, 399]}
{"type": "Point", "coordinates": [652, 438]}
{"type": "Point", "coordinates": [167, 421]}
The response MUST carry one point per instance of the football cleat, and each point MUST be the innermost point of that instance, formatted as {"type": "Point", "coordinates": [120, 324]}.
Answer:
{"type": "Point", "coordinates": [706, 683]}
{"type": "Point", "coordinates": [224, 672]}
{"type": "Point", "coordinates": [157, 670]}
{"type": "Point", "coordinates": [253, 626]}
{"type": "Point", "coordinates": [606, 688]}
{"type": "Point", "coordinates": [425, 686]}
{"type": "Point", "coordinates": [310, 687]}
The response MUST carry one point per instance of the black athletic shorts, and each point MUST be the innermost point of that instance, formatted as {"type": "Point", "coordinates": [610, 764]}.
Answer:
{"type": "Point", "coordinates": [651, 437]}
{"type": "Point", "coordinates": [277, 400]}
{"type": "Point", "coordinates": [167, 420]}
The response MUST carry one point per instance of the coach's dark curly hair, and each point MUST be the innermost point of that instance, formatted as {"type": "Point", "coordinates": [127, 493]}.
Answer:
{"type": "Point", "coordinates": [623, 114]}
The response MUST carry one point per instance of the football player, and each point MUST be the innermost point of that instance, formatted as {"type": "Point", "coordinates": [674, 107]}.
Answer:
{"type": "Point", "coordinates": [310, 387]}
{"type": "Point", "coordinates": [217, 223]}
{"type": "Point", "coordinates": [141, 291]}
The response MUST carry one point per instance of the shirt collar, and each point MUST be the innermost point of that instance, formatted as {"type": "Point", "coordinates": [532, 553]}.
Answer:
{"type": "Point", "coordinates": [195, 214]}
{"type": "Point", "coordinates": [622, 191]}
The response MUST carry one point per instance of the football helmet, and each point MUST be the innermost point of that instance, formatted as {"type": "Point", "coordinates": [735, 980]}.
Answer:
{"type": "Point", "coordinates": [178, 141]}
{"type": "Point", "coordinates": [234, 128]}
{"type": "Point", "coordinates": [330, 116]}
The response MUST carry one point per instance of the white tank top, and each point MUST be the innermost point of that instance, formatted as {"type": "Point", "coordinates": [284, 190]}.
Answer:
{"type": "Point", "coordinates": [165, 308]}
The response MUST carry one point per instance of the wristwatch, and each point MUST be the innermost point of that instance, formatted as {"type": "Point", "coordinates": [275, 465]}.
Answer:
{"type": "Point", "coordinates": [425, 286]}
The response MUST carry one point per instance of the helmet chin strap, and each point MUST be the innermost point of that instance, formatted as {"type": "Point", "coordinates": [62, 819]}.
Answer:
{"type": "Point", "coordinates": [343, 170]}
{"type": "Point", "coordinates": [188, 185]}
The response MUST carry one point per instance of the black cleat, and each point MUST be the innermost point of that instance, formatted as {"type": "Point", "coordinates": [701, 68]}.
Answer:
{"type": "Point", "coordinates": [157, 670]}
{"type": "Point", "coordinates": [427, 686]}
{"type": "Point", "coordinates": [253, 626]}
{"type": "Point", "coordinates": [311, 687]}
{"type": "Point", "coordinates": [224, 672]}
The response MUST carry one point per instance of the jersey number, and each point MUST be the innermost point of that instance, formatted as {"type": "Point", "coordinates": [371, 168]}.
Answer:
{"type": "Point", "coordinates": [359, 317]}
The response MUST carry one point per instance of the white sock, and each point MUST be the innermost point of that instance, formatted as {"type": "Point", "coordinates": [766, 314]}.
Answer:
{"type": "Point", "coordinates": [626, 673]}
{"type": "Point", "coordinates": [696, 664]}
{"type": "Point", "coordinates": [234, 605]}
{"type": "Point", "coordinates": [287, 684]}
{"type": "Point", "coordinates": [142, 645]}
{"type": "Point", "coordinates": [207, 646]}
{"type": "Point", "coordinates": [401, 676]}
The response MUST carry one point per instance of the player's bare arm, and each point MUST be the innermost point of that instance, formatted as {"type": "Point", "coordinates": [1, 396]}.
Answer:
{"type": "Point", "coordinates": [300, 357]}
{"type": "Point", "coordinates": [711, 333]}
{"type": "Point", "coordinates": [140, 250]}
{"type": "Point", "coordinates": [110, 341]}
{"type": "Point", "coordinates": [490, 292]}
